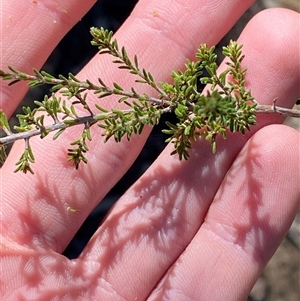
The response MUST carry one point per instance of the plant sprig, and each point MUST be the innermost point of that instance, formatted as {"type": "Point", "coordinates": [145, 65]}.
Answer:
{"type": "Point", "coordinates": [226, 105]}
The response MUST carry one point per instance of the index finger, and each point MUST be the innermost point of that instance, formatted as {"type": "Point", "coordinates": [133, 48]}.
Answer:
{"type": "Point", "coordinates": [29, 32]}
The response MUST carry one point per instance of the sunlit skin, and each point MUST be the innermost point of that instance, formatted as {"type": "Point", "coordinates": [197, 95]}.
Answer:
{"type": "Point", "coordinates": [201, 229]}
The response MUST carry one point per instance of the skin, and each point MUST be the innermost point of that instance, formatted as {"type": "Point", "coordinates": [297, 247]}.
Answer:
{"type": "Point", "coordinates": [197, 230]}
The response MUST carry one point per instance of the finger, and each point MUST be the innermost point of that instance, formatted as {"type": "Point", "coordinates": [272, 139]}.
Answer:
{"type": "Point", "coordinates": [245, 224]}
{"type": "Point", "coordinates": [29, 32]}
{"type": "Point", "coordinates": [153, 31]}
{"type": "Point", "coordinates": [154, 222]}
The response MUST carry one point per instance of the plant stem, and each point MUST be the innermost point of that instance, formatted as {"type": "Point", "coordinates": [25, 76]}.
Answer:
{"type": "Point", "coordinates": [268, 109]}
{"type": "Point", "coordinates": [271, 109]}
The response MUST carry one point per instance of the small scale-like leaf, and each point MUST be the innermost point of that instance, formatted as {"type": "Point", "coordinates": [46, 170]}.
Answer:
{"type": "Point", "coordinates": [123, 99]}
{"type": "Point", "coordinates": [69, 122]}
{"type": "Point", "coordinates": [14, 82]}
{"type": "Point", "coordinates": [72, 108]}
{"type": "Point", "coordinates": [3, 154]}
{"type": "Point", "coordinates": [150, 77]}
{"type": "Point", "coordinates": [140, 81]}
{"type": "Point", "coordinates": [58, 133]}
{"type": "Point", "coordinates": [34, 83]}
{"type": "Point", "coordinates": [187, 130]}
{"type": "Point", "coordinates": [118, 87]}
{"type": "Point", "coordinates": [72, 77]}
{"type": "Point", "coordinates": [4, 122]}
{"type": "Point", "coordinates": [118, 62]}
{"type": "Point", "coordinates": [47, 75]}
{"type": "Point", "coordinates": [88, 133]}
{"type": "Point", "coordinates": [124, 67]}
{"type": "Point", "coordinates": [60, 76]}
{"type": "Point", "coordinates": [104, 94]}
{"type": "Point", "coordinates": [136, 63]}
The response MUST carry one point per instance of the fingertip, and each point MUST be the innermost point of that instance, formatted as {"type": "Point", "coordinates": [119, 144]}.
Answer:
{"type": "Point", "coordinates": [262, 192]}
{"type": "Point", "coordinates": [274, 29]}
{"type": "Point", "coordinates": [271, 48]}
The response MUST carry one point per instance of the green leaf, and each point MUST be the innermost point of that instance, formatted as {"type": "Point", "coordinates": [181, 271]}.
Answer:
{"type": "Point", "coordinates": [136, 63]}
{"type": "Point", "coordinates": [116, 86]}
{"type": "Point", "coordinates": [58, 133]}
{"type": "Point", "coordinates": [4, 122]}
{"type": "Point", "coordinates": [3, 154]}
{"type": "Point", "coordinates": [70, 122]}
{"type": "Point", "coordinates": [88, 133]}
{"type": "Point", "coordinates": [101, 108]}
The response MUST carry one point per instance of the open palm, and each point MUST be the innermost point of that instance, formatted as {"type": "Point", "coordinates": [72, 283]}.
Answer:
{"type": "Point", "coordinates": [202, 229]}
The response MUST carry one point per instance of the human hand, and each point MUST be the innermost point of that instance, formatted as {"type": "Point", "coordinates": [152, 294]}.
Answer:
{"type": "Point", "coordinates": [196, 230]}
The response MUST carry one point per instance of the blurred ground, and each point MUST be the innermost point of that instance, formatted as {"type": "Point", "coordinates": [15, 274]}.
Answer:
{"type": "Point", "coordinates": [280, 279]}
